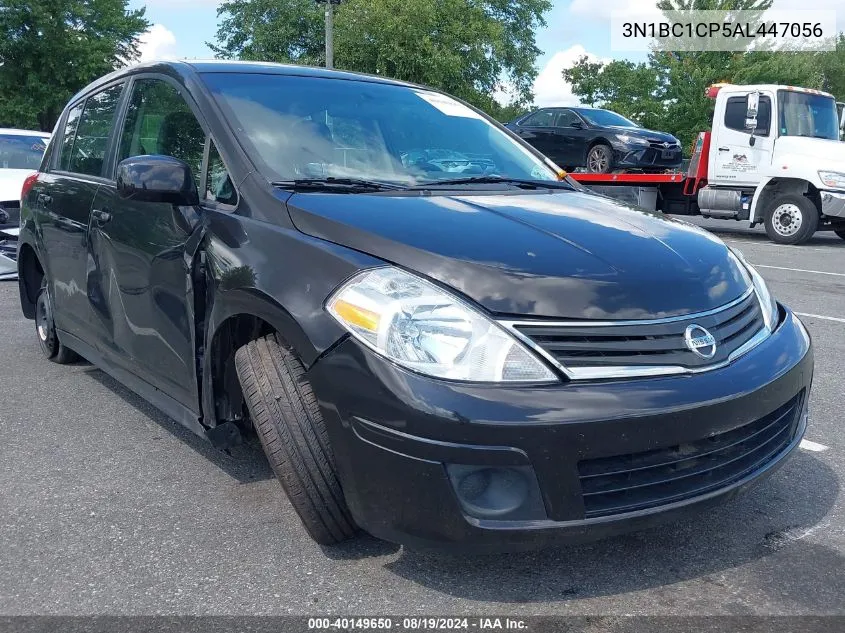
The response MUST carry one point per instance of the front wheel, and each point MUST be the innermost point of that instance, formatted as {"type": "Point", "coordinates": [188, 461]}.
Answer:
{"type": "Point", "coordinates": [45, 328]}
{"type": "Point", "coordinates": [791, 219]}
{"type": "Point", "coordinates": [599, 159]}
{"type": "Point", "coordinates": [287, 419]}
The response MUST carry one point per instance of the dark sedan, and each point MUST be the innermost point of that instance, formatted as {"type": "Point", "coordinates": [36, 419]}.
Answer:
{"type": "Point", "coordinates": [436, 339]}
{"type": "Point", "coordinates": [597, 139]}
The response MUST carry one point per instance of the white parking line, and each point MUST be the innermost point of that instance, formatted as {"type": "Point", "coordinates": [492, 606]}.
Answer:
{"type": "Point", "coordinates": [800, 270]}
{"type": "Point", "coordinates": [815, 447]}
{"type": "Point", "coordinates": [820, 316]}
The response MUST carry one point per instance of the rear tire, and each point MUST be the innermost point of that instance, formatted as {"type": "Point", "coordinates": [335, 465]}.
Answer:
{"type": "Point", "coordinates": [600, 159]}
{"type": "Point", "coordinates": [287, 419]}
{"type": "Point", "coordinates": [791, 219]}
{"type": "Point", "coordinates": [840, 233]}
{"type": "Point", "coordinates": [45, 330]}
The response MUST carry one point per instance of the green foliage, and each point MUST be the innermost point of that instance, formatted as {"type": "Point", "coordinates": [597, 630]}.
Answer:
{"type": "Point", "coordinates": [667, 91]}
{"type": "Point", "coordinates": [50, 49]}
{"type": "Point", "coordinates": [465, 47]}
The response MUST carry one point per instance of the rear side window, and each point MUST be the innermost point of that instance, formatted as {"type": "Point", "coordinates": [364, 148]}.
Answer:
{"type": "Point", "coordinates": [92, 133]}
{"type": "Point", "coordinates": [735, 110]}
{"type": "Point", "coordinates": [543, 118]}
{"type": "Point", "coordinates": [68, 136]}
{"type": "Point", "coordinates": [159, 121]}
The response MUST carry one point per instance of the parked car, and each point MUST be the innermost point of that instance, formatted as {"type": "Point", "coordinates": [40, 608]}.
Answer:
{"type": "Point", "coordinates": [492, 361]}
{"type": "Point", "coordinates": [600, 140]}
{"type": "Point", "coordinates": [21, 152]}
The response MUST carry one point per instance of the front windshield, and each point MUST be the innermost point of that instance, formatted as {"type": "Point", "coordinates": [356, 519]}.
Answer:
{"type": "Point", "coordinates": [804, 114]}
{"type": "Point", "coordinates": [606, 118]}
{"type": "Point", "coordinates": [310, 127]}
{"type": "Point", "coordinates": [20, 151]}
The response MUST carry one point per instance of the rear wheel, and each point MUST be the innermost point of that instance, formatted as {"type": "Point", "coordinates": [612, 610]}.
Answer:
{"type": "Point", "coordinates": [600, 159]}
{"type": "Point", "coordinates": [791, 219]}
{"type": "Point", "coordinates": [840, 232]}
{"type": "Point", "coordinates": [45, 328]}
{"type": "Point", "coordinates": [287, 419]}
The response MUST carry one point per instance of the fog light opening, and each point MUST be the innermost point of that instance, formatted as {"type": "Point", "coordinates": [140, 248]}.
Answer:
{"type": "Point", "coordinates": [488, 492]}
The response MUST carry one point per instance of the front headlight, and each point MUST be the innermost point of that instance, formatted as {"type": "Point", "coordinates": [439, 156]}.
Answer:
{"type": "Point", "coordinates": [419, 326]}
{"type": "Point", "coordinates": [834, 179]}
{"type": "Point", "coordinates": [631, 140]}
{"type": "Point", "coordinates": [767, 303]}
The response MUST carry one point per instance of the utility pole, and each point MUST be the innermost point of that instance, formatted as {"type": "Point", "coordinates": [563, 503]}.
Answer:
{"type": "Point", "coordinates": [329, 30]}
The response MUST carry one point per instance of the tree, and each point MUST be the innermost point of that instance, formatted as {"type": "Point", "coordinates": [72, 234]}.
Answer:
{"type": "Point", "coordinates": [50, 49]}
{"type": "Point", "coordinates": [465, 47]}
{"type": "Point", "coordinates": [632, 90]}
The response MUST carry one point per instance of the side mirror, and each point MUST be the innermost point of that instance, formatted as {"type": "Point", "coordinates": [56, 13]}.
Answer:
{"type": "Point", "coordinates": [156, 179]}
{"type": "Point", "coordinates": [752, 101]}
{"type": "Point", "coordinates": [577, 125]}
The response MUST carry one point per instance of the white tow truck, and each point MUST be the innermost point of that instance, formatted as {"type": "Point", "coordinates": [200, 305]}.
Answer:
{"type": "Point", "coordinates": [772, 157]}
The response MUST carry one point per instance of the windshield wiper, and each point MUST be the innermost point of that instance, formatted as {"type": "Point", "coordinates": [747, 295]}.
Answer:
{"type": "Point", "coordinates": [345, 185]}
{"type": "Point", "coordinates": [524, 183]}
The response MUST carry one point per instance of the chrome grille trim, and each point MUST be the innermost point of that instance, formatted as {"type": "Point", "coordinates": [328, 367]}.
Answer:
{"type": "Point", "coordinates": [632, 371]}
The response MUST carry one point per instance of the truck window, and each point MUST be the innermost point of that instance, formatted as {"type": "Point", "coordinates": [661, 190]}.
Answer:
{"type": "Point", "coordinates": [806, 114]}
{"type": "Point", "coordinates": [735, 115]}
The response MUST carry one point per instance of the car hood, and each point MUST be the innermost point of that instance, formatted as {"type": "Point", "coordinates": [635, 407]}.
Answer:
{"type": "Point", "coordinates": [11, 182]}
{"type": "Point", "coordinates": [826, 153]}
{"type": "Point", "coordinates": [564, 254]}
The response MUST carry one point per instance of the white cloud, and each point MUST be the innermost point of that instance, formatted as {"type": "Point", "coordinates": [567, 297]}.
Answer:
{"type": "Point", "coordinates": [603, 10]}
{"type": "Point", "coordinates": [550, 89]}
{"type": "Point", "coordinates": [158, 42]}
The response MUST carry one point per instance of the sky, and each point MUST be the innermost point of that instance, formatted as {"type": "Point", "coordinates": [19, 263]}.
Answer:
{"type": "Point", "coordinates": [574, 28]}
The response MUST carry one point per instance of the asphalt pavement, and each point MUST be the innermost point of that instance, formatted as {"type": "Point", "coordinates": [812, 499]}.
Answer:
{"type": "Point", "coordinates": [108, 507]}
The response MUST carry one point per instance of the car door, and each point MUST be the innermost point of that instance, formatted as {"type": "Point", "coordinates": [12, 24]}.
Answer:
{"type": "Point", "coordinates": [141, 272]}
{"type": "Point", "coordinates": [572, 138]}
{"type": "Point", "coordinates": [538, 129]}
{"type": "Point", "coordinates": [733, 158]}
{"type": "Point", "coordinates": [63, 199]}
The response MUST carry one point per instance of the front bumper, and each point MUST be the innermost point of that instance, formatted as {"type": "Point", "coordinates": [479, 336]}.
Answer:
{"type": "Point", "coordinates": [833, 204]}
{"type": "Point", "coordinates": [641, 157]}
{"type": "Point", "coordinates": [398, 436]}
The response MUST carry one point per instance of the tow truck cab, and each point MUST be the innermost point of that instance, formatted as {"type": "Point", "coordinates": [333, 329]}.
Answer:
{"type": "Point", "coordinates": [773, 157]}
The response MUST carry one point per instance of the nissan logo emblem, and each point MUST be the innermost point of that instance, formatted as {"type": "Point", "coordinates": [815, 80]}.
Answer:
{"type": "Point", "coordinates": [700, 342]}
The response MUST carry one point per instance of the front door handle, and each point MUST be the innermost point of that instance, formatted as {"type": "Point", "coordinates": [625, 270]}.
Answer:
{"type": "Point", "coordinates": [724, 149]}
{"type": "Point", "coordinates": [101, 215]}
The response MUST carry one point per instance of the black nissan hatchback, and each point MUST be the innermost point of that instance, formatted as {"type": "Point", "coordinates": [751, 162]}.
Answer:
{"type": "Point", "coordinates": [436, 339]}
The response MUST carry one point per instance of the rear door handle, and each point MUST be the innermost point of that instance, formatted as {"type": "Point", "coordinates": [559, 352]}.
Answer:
{"type": "Point", "coordinates": [101, 215]}
{"type": "Point", "coordinates": [43, 199]}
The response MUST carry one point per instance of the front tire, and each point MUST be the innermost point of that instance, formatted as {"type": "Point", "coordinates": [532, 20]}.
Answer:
{"type": "Point", "coordinates": [45, 330]}
{"type": "Point", "coordinates": [287, 419]}
{"type": "Point", "coordinates": [791, 219]}
{"type": "Point", "coordinates": [600, 159]}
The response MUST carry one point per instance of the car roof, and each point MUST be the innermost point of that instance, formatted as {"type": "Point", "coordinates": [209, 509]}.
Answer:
{"type": "Point", "coordinates": [184, 68]}
{"type": "Point", "coordinates": [8, 131]}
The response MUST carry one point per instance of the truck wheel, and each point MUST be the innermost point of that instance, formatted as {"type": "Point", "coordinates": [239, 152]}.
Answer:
{"type": "Point", "coordinates": [791, 219]}
{"type": "Point", "coordinates": [45, 328]}
{"type": "Point", "coordinates": [287, 419]}
{"type": "Point", "coordinates": [600, 159]}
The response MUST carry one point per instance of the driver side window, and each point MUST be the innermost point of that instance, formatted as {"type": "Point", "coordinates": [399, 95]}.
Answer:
{"type": "Point", "coordinates": [159, 121]}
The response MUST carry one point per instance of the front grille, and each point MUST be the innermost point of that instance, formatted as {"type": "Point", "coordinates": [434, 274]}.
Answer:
{"type": "Point", "coordinates": [626, 483]}
{"type": "Point", "coordinates": [659, 145]}
{"type": "Point", "coordinates": [646, 344]}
